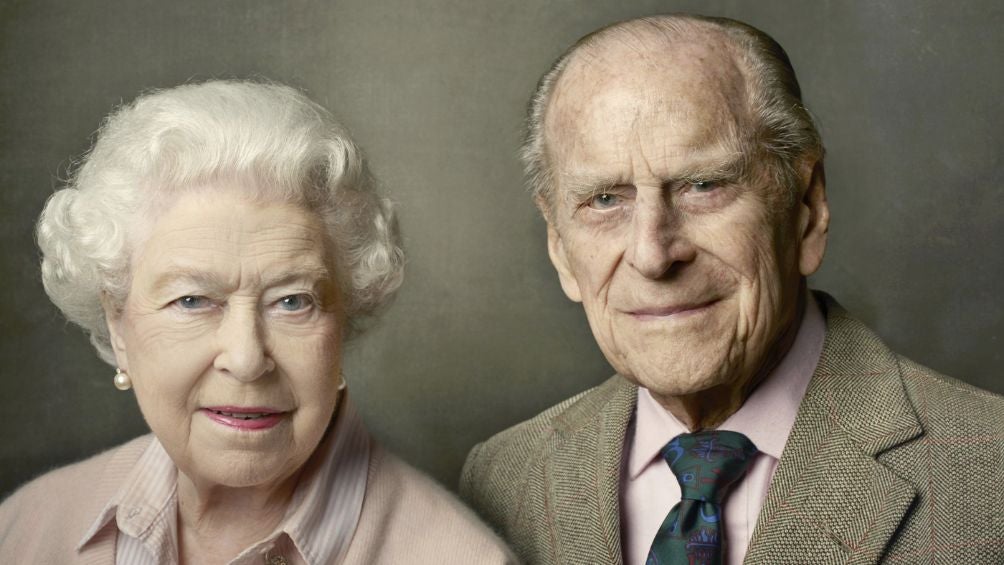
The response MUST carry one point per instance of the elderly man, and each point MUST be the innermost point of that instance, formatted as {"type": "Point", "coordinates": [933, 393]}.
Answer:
{"type": "Point", "coordinates": [750, 420]}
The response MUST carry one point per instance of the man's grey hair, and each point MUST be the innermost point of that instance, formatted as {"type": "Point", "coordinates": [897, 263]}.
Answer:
{"type": "Point", "coordinates": [784, 131]}
{"type": "Point", "coordinates": [268, 140]}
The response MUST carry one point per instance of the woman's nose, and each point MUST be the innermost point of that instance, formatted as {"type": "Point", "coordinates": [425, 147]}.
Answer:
{"type": "Point", "coordinates": [242, 349]}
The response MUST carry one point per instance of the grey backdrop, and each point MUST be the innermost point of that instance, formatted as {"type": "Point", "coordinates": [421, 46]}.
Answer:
{"type": "Point", "coordinates": [908, 95]}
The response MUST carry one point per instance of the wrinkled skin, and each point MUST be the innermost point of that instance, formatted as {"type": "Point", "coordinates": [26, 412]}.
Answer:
{"type": "Point", "coordinates": [232, 303]}
{"type": "Point", "coordinates": [690, 268]}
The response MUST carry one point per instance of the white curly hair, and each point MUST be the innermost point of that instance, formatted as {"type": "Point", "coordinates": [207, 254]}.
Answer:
{"type": "Point", "coordinates": [268, 137]}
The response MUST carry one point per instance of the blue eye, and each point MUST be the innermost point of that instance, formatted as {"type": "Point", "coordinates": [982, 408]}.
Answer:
{"type": "Point", "coordinates": [192, 302]}
{"type": "Point", "coordinates": [604, 201]}
{"type": "Point", "coordinates": [295, 302]}
{"type": "Point", "coordinates": [703, 186]}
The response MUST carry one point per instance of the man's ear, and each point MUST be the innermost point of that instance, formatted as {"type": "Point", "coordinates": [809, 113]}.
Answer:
{"type": "Point", "coordinates": [113, 317]}
{"type": "Point", "coordinates": [813, 217]}
{"type": "Point", "coordinates": [556, 250]}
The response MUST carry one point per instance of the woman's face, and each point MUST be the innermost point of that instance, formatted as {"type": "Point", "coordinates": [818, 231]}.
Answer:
{"type": "Point", "coordinates": [231, 335]}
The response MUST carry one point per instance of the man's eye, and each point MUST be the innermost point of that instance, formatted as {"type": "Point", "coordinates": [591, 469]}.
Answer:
{"type": "Point", "coordinates": [704, 186]}
{"type": "Point", "coordinates": [192, 302]}
{"type": "Point", "coordinates": [295, 302]}
{"type": "Point", "coordinates": [604, 201]}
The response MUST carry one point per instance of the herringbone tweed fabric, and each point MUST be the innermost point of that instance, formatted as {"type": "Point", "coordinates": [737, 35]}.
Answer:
{"type": "Point", "coordinates": [888, 462]}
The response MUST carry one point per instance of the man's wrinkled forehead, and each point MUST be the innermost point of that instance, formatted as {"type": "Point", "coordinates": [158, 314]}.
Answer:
{"type": "Point", "coordinates": [630, 77]}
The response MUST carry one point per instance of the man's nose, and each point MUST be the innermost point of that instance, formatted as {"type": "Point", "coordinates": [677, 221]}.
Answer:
{"type": "Point", "coordinates": [242, 349]}
{"type": "Point", "coordinates": [657, 241]}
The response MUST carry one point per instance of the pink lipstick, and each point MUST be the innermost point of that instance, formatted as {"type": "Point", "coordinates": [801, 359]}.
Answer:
{"type": "Point", "coordinates": [244, 417]}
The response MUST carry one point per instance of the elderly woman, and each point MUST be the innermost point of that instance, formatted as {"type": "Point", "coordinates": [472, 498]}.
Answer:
{"type": "Point", "coordinates": [219, 244]}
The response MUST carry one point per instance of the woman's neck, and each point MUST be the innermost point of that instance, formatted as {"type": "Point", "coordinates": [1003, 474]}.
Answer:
{"type": "Point", "coordinates": [216, 523]}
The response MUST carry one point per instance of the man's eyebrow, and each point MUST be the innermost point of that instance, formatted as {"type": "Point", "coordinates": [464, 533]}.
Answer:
{"type": "Point", "coordinates": [579, 187]}
{"type": "Point", "coordinates": [733, 167]}
{"type": "Point", "coordinates": [730, 168]}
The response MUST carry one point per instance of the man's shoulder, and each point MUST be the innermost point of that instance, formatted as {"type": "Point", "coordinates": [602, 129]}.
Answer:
{"type": "Point", "coordinates": [527, 442]}
{"type": "Point", "coordinates": [955, 467]}
{"type": "Point", "coordinates": [64, 500]}
{"type": "Point", "coordinates": [948, 407]}
{"type": "Point", "coordinates": [408, 516]}
{"type": "Point", "coordinates": [507, 478]}
{"type": "Point", "coordinates": [938, 435]}
{"type": "Point", "coordinates": [943, 404]}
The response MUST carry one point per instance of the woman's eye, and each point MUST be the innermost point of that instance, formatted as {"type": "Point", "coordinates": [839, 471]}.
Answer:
{"type": "Point", "coordinates": [604, 201]}
{"type": "Point", "coordinates": [192, 302]}
{"type": "Point", "coordinates": [295, 302]}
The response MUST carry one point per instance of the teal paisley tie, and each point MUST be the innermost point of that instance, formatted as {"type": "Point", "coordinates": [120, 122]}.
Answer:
{"type": "Point", "coordinates": [706, 464]}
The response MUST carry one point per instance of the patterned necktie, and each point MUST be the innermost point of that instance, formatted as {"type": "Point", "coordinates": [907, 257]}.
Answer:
{"type": "Point", "coordinates": [706, 464]}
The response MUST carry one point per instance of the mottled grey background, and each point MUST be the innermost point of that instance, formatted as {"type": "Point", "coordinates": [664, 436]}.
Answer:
{"type": "Point", "coordinates": [908, 95]}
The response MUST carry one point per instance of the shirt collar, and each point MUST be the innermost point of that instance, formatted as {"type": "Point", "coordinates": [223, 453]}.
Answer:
{"type": "Point", "coordinates": [766, 417]}
{"type": "Point", "coordinates": [140, 505]}
{"type": "Point", "coordinates": [322, 515]}
{"type": "Point", "coordinates": [325, 509]}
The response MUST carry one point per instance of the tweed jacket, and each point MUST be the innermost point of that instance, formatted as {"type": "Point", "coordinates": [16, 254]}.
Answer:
{"type": "Point", "coordinates": [887, 462]}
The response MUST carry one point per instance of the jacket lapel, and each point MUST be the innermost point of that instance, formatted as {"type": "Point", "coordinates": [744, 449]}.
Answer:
{"type": "Point", "coordinates": [583, 475]}
{"type": "Point", "coordinates": [831, 500]}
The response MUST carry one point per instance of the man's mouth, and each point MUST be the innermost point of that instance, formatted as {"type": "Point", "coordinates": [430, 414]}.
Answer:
{"type": "Point", "coordinates": [672, 310]}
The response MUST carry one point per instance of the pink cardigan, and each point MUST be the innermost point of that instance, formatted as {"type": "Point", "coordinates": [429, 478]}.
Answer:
{"type": "Point", "coordinates": [406, 517]}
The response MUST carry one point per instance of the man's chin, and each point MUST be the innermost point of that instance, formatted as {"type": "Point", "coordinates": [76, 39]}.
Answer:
{"type": "Point", "coordinates": [680, 387]}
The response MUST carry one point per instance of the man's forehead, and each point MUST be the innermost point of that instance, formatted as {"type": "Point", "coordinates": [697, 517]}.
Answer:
{"type": "Point", "coordinates": [686, 75]}
{"type": "Point", "coordinates": [677, 97]}
{"type": "Point", "coordinates": [629, 81]}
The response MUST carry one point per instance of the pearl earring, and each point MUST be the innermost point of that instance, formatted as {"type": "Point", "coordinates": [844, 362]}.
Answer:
{"type": "Point", "coordinates": [122, 380]}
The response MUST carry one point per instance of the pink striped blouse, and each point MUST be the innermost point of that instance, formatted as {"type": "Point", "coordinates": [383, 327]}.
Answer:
{"type": "Point", "coordinates": [317, 528]}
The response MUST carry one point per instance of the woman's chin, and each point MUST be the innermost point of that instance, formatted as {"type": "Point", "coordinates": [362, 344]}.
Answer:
{"type": "Point", "coordinates": [218, 454]}
{"type": "Point", "coordinates": [239, 470]}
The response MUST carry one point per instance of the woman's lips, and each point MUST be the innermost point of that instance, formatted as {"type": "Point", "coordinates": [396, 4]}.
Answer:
{"type": "Point", "coordinates": [244, 418]}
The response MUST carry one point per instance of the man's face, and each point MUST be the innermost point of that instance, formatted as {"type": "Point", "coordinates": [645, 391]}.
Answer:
{"type": "Point", "coordinates": [688, 267]}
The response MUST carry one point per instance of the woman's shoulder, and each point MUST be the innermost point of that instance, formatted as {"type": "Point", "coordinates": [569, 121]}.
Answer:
{"type": "Point", "coordinates": [46, 513]}
{"type": "Point", "coordinates": [408, 516]}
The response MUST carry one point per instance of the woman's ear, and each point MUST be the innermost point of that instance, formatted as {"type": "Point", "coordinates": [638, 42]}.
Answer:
{"type": "Point", "coordinates": [113, 317]}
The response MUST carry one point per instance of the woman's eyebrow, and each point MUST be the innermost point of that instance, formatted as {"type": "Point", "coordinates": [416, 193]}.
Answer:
{"type": "Point", "coordinates": [182, 275]}
{"type": "Point", "coordinates": [308, 272]}
{"type": "Point", "coordinates": [305, 272]}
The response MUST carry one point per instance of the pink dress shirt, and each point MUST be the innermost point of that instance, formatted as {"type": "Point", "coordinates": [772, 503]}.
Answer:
{"type": "Point", "coordinates": [649, 490]}
{"type": "Point", "coordinates": [317, 528]}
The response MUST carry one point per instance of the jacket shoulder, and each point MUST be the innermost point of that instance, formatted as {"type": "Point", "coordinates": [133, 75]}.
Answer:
{"type": "Point", "coordinates": [948, 406]}
{"type": "Point", "coordinates": [520, 441]}
{"type": "Point", "coordinates": [956, 468]}
{"type": "Point", "coordinates": [520, 445]}
{"type": "Point", "coordinates": [45, 519]}
{"type": "Point", "coordinates": [409, 517]}
{"type": "Point", "coordinates": [497, 475]}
